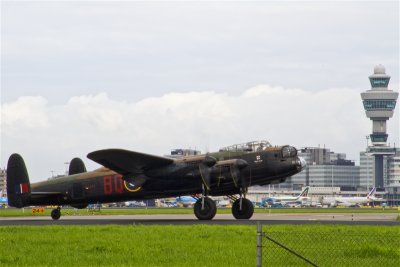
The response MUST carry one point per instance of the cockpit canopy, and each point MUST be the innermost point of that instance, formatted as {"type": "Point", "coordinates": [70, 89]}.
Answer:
{"type": "Point", "coordinates": [288, 152]}
{"type": "Point", "coordinates": [247, 147]}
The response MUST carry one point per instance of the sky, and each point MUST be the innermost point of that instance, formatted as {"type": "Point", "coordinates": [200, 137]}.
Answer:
{"type": "Point", "coordinates": [153, 76]}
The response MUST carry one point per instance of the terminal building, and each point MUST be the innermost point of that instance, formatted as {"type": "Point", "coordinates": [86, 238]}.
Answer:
{"type": "Point", "coordinates": [367, 171]}
{"type": "Point", "coordinates": [3, 183]}
{"type": "Point", "coordinates": [325, 168]}
{"type": "Point", "coordinates": [391, 176]}
{"type": "Point", "coordinates": [183, 152]}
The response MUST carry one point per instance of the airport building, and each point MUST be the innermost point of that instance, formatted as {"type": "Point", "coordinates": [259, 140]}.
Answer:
{"type": "Point", "coordinates": [183, 152]}
{"type": "Point", "coordinates": [3, 183]}
{"type": "Point", "coordinates": [367, 171]}
{"type": "Point", "coordinates": [391, 177]}
{"type": "Point", "coordinates": [391, 174]}
{"type": "Point", "coordinates": [379, 104]}
{"type": "Point", "coordinates": [324, 169]}
{"type": "Point", "coordinates": [380, 161]}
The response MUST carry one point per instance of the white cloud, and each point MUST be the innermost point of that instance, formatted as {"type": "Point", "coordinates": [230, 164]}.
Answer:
{"type": "Point", "coordinates": [205, 120]}
{"type": "Point", "coordinates": [277, 90]}
{"type": "Point", "coordinates": [26, 112]}
{"type": "Point", "coordinates": [99, 111]}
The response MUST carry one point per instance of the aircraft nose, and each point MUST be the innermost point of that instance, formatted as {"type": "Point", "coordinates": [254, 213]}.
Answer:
{"type": "Point", "coordinates": [301, 163]}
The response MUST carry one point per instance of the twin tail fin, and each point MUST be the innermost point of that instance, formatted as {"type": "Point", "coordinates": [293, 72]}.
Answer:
{"type": "Point", "coordinates": [18, 185]}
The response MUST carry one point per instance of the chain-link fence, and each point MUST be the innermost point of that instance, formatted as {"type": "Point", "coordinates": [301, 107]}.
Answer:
{"type": "Point", "coordinates": [327, 248]}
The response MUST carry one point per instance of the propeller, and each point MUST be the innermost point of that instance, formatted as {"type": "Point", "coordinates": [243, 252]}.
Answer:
{"type": "Point", "coordinates": [236, 168]}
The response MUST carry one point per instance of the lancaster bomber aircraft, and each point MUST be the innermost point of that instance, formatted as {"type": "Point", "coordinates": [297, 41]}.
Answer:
{"type": "Point", "coordinates": [129, 175]}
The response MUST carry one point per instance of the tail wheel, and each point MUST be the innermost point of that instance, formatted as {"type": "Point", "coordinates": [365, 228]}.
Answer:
{"type": "Point", "coordinates": [209, 210]}
{"type": "Point", "coordinates": [56, 214]}
{"type": "Point", "coordinates": [245, 211]}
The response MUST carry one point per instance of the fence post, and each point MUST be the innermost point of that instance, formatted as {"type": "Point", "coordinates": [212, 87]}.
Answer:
{"type": "Point", "coordinates": [259, 245]}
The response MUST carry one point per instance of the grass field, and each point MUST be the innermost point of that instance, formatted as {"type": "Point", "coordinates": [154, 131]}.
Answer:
{"type": "Point", "coordinates": [132, 211]}
{"type": "Point", "coordinates": [196, 245]}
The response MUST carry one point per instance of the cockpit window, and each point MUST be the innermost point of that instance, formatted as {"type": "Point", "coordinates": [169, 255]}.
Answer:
{"type": "Point", "coordinates": [248, 147]}
{"type": "Point", "coordinates": [288, 151]}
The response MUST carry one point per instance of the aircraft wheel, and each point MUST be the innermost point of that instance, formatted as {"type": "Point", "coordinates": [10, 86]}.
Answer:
{"type": "Point", "coordinates": [247, 209]}
{"type": "Point", "coordinates": [56, 214]}
{"type": "Point", "coordinates": [209, 211]}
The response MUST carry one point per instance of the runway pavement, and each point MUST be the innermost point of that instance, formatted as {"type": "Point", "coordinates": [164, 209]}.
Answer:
{"type": "Point", "coordinates": [185, 219]}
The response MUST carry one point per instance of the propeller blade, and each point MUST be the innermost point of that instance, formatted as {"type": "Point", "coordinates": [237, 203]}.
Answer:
{"type": "Point", "coordinates": [205, 175]}
{"type": "Point", "coordinates": [236, 172]}
{"type": "Point", "coordinates": [205, 170]}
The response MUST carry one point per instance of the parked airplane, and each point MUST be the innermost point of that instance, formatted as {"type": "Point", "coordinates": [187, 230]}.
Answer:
{"type": "Point", "coordinates": [303, 196]}
{"type": "Point", "coordinates": [186, 201]}
{"type": "Point", "coordinates": [129, 175]}
{"type": "Point", "coordinates": [3, 199]}
{"type": "Point", "coordinates": [351, 201]}
{"type": "Point", "coordinates": [135, 204]}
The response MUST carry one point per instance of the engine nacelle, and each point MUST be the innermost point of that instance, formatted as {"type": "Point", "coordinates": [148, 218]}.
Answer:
{"type": "Point", "coordinates": [207, 160]}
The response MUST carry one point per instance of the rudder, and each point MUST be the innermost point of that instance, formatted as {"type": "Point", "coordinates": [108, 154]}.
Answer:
{"type": "Point", "coordinates": [18, 185]}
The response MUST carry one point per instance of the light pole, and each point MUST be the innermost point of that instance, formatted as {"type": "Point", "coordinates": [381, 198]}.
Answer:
{"type": "Point", "coordinates": [367, 173]}
{"type": "Point", "coordinates": [367, 160]}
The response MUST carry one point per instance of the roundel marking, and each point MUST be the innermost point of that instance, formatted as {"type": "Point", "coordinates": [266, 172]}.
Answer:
{"type": "Point", "coordinates": [131, 187]}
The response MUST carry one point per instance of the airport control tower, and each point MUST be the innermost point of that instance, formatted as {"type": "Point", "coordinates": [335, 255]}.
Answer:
{"type": "Point", "coordinates": [379, 103]}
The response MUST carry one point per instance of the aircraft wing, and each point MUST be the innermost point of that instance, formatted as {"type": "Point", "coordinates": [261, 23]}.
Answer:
{"type": "Point", "coordinates": [128, 162]}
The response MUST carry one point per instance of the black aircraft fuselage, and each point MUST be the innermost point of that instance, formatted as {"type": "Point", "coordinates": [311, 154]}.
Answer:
{"type": "Point", "coordinates": [131, 175]}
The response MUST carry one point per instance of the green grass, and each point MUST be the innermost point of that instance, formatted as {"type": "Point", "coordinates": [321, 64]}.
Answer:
{"type": "Point", "coordinates": [127, 211]}
{"type": "Point", "coordinates": [196, 245]}
{"type": "Point", "coordinates": [103, 211]}
{"type": "Point", "coordinates": [335, 246]}
{"type": "Point", "coordinates": [328, 210]}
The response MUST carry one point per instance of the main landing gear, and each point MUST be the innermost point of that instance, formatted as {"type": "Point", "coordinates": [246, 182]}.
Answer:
{"type": "Point", "coordinates": [56, 213]}
{"type": "Point", "coordinates": [242, 208]}
{"type": "Point", "coordinates": [205, 208]}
